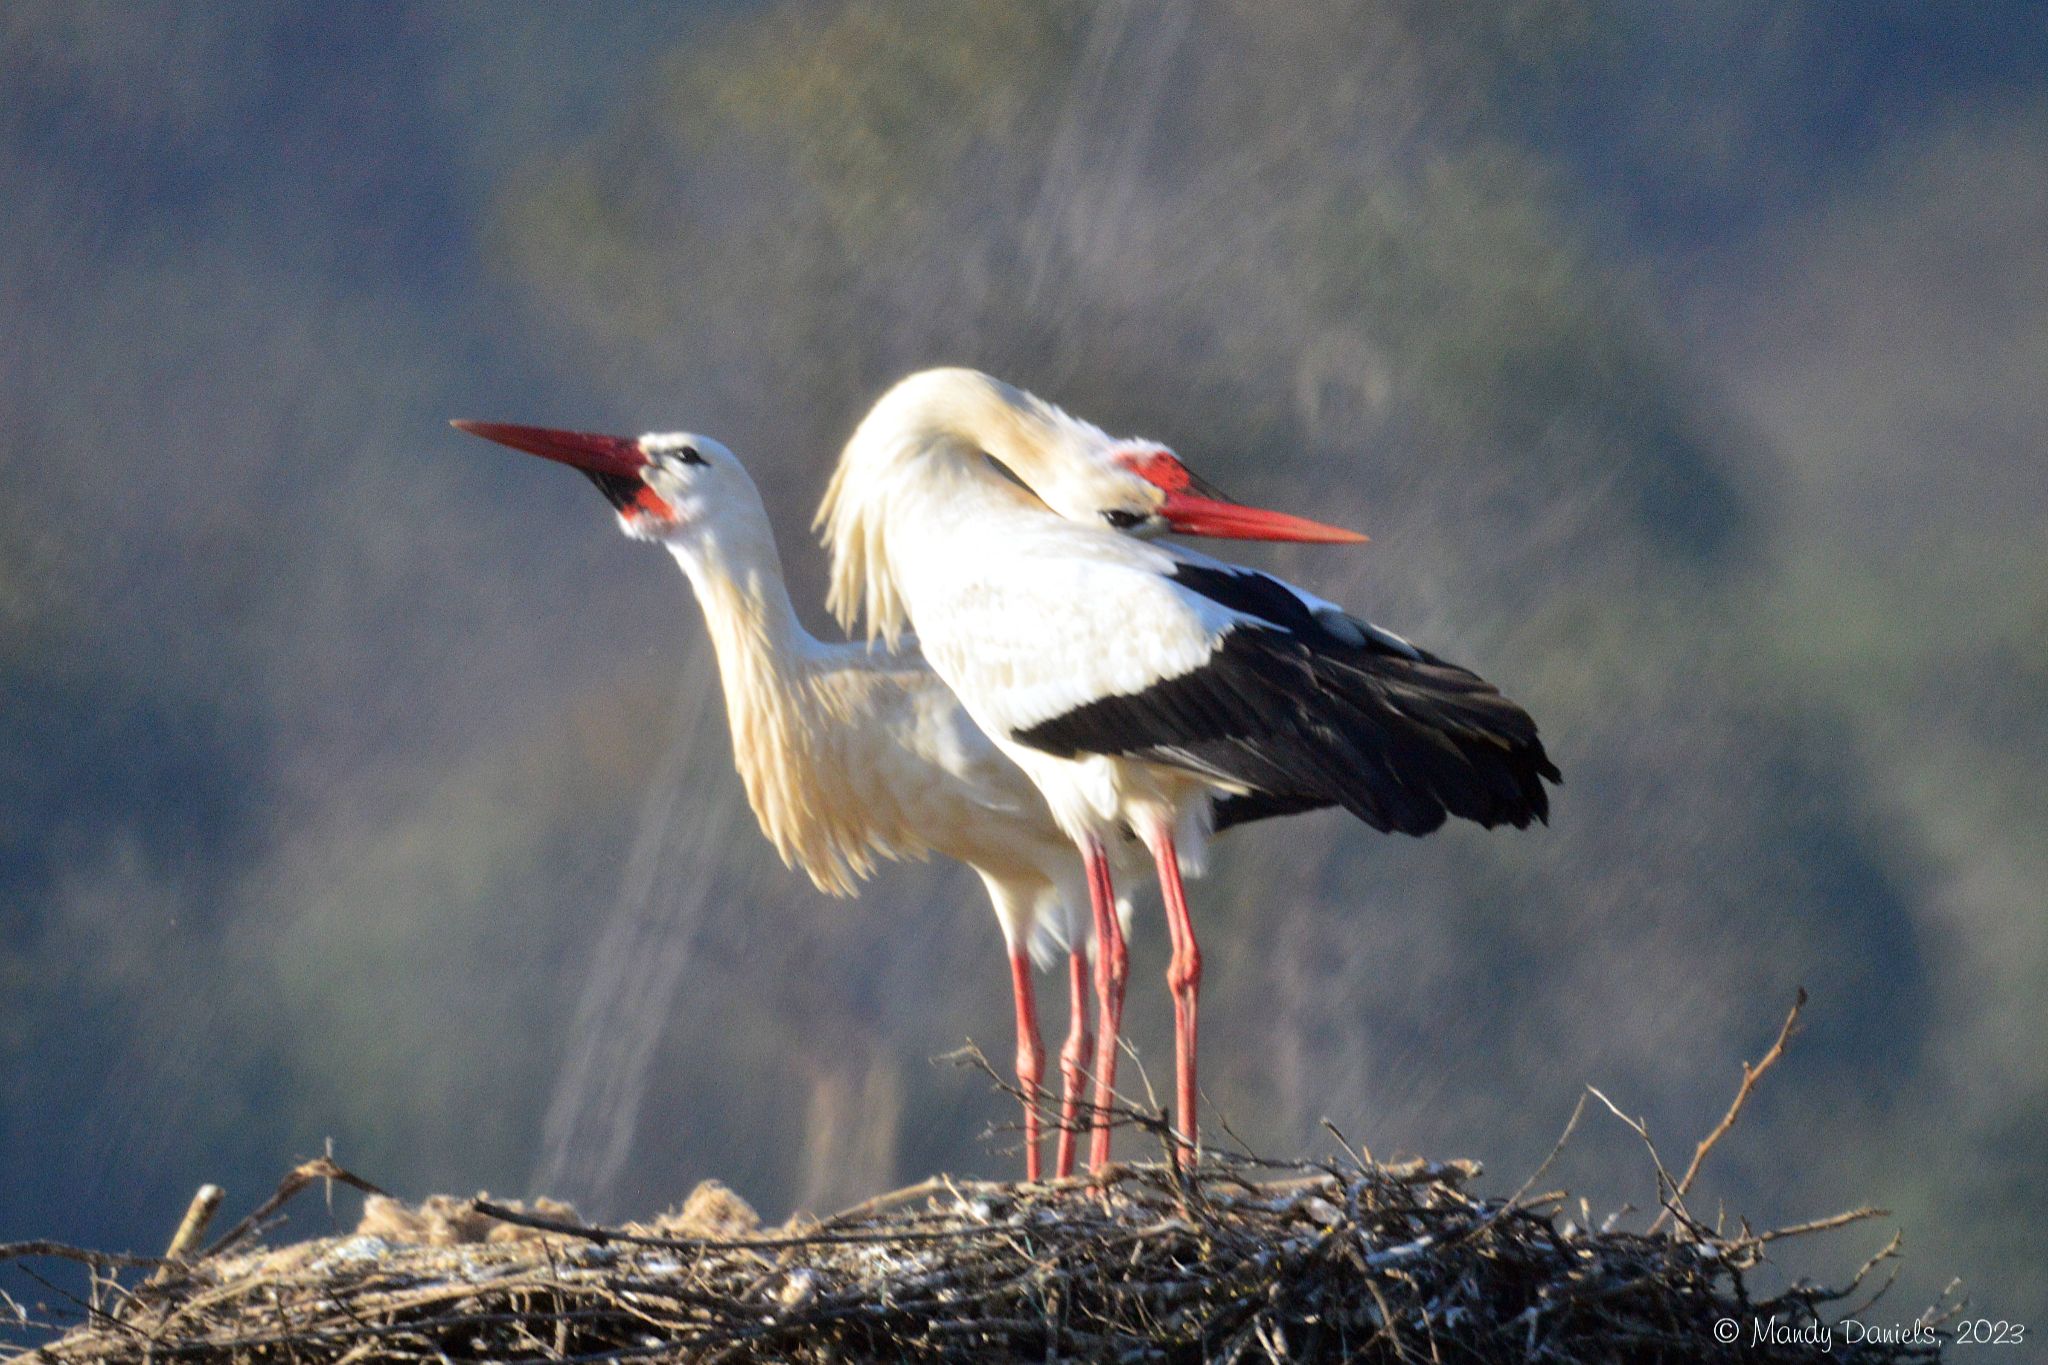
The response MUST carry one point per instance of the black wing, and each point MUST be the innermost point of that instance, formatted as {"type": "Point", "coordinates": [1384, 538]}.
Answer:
{"type": "Point", "coordinates": [1309, 707]}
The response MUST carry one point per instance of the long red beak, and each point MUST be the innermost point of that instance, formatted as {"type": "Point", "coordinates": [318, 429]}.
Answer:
{"type": "Point", "coordinates": [616, 456]}
{"type": "Point", "coordinates": [1193, 508]}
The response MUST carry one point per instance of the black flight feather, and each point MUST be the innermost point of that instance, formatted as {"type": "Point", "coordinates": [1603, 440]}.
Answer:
{"type": "Point", "coordinates": [1307, 709]}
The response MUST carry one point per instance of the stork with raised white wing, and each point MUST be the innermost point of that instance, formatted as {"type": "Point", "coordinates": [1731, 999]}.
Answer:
{"type": "Point", "coordinates": [1134, 681]}
{"type": "Point", "coordinates": [850, 753]}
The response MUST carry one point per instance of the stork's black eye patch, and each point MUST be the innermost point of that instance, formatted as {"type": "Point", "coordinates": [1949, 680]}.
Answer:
{"type": "Point", "coordinates": [691, 455]}
{"type": "Point", "coordinates": [1123, 520]}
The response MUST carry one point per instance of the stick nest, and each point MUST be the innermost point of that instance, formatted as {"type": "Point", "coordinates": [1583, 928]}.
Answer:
{"type": "Point", "coordinates": [1241, 1260]}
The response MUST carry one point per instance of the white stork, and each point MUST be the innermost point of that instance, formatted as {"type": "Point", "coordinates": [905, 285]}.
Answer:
{"type": "Point", "coordinates": [848, 753]}
{"type": "Point", "coordinates": [1133, 681]}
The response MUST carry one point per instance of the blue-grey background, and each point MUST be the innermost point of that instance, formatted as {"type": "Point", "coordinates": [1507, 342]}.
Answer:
{"type": "Point", "coordinates": [359, 782]}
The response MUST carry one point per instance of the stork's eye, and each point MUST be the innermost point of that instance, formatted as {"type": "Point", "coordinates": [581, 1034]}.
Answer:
{"type": "Point", "coordinates": [1123, 520]}
{"type": "Point", "coordinates": [690, 455]}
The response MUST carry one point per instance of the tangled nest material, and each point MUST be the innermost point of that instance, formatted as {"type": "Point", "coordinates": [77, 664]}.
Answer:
{"type": "Point", "coordinates": [1238, 1259]}
{"type": "Point", "coordinates": [1233, 1263]}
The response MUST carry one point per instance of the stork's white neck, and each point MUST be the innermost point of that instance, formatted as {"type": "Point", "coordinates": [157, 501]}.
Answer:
{"type": "Point", "coordinates": [736, 574]}
{"type": "Point", "coordinates": [771, 671]}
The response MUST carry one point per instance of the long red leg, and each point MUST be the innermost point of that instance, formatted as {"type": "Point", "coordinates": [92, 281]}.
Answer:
{"type": "Point", "coordinates": [1177, 937]}
{"type": "Point", "coordinates": [1184, 979]}
{"type": "Point", "coordinates": [1030, 1056]}
{"type": "Point", "coordinates": [1112, 969]}
{"type": "Point", "coordinates": [1073, 1062]}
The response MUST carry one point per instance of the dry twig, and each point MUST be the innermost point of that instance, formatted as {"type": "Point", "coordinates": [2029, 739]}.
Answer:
{"type": "Point", "coordinates": [1750, 1076]}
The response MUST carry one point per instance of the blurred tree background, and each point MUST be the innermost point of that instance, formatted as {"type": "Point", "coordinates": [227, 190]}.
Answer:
{"type": "Point", "coordinates": [359, 783]}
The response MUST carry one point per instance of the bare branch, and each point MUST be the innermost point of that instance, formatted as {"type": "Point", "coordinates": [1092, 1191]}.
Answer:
{"type": "Point", "coordinates": [318, 1169]}
{"type": "Point", "coordinates": [1837, 1220]}
{"type": "Point", "coordinates": [1750, 1076]}
{"type": "Point", "coordinates": [15, 1251]}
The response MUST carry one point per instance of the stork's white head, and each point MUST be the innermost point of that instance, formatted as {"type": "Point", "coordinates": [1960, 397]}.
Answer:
{"type": "Point", "coordinates": [662, 483]}
{"type": "Point", "coordinates": [695, 483]}
{"type": "Point", "coordinates": [676, 487]}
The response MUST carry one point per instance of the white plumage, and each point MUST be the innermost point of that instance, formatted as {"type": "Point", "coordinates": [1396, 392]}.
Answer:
{"type": "Point", "coordinates": [1100, 686]}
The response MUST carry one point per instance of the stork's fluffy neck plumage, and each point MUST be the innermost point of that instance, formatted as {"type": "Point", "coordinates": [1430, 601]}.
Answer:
{"type": "Point", "coordinates": [932, 430]}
